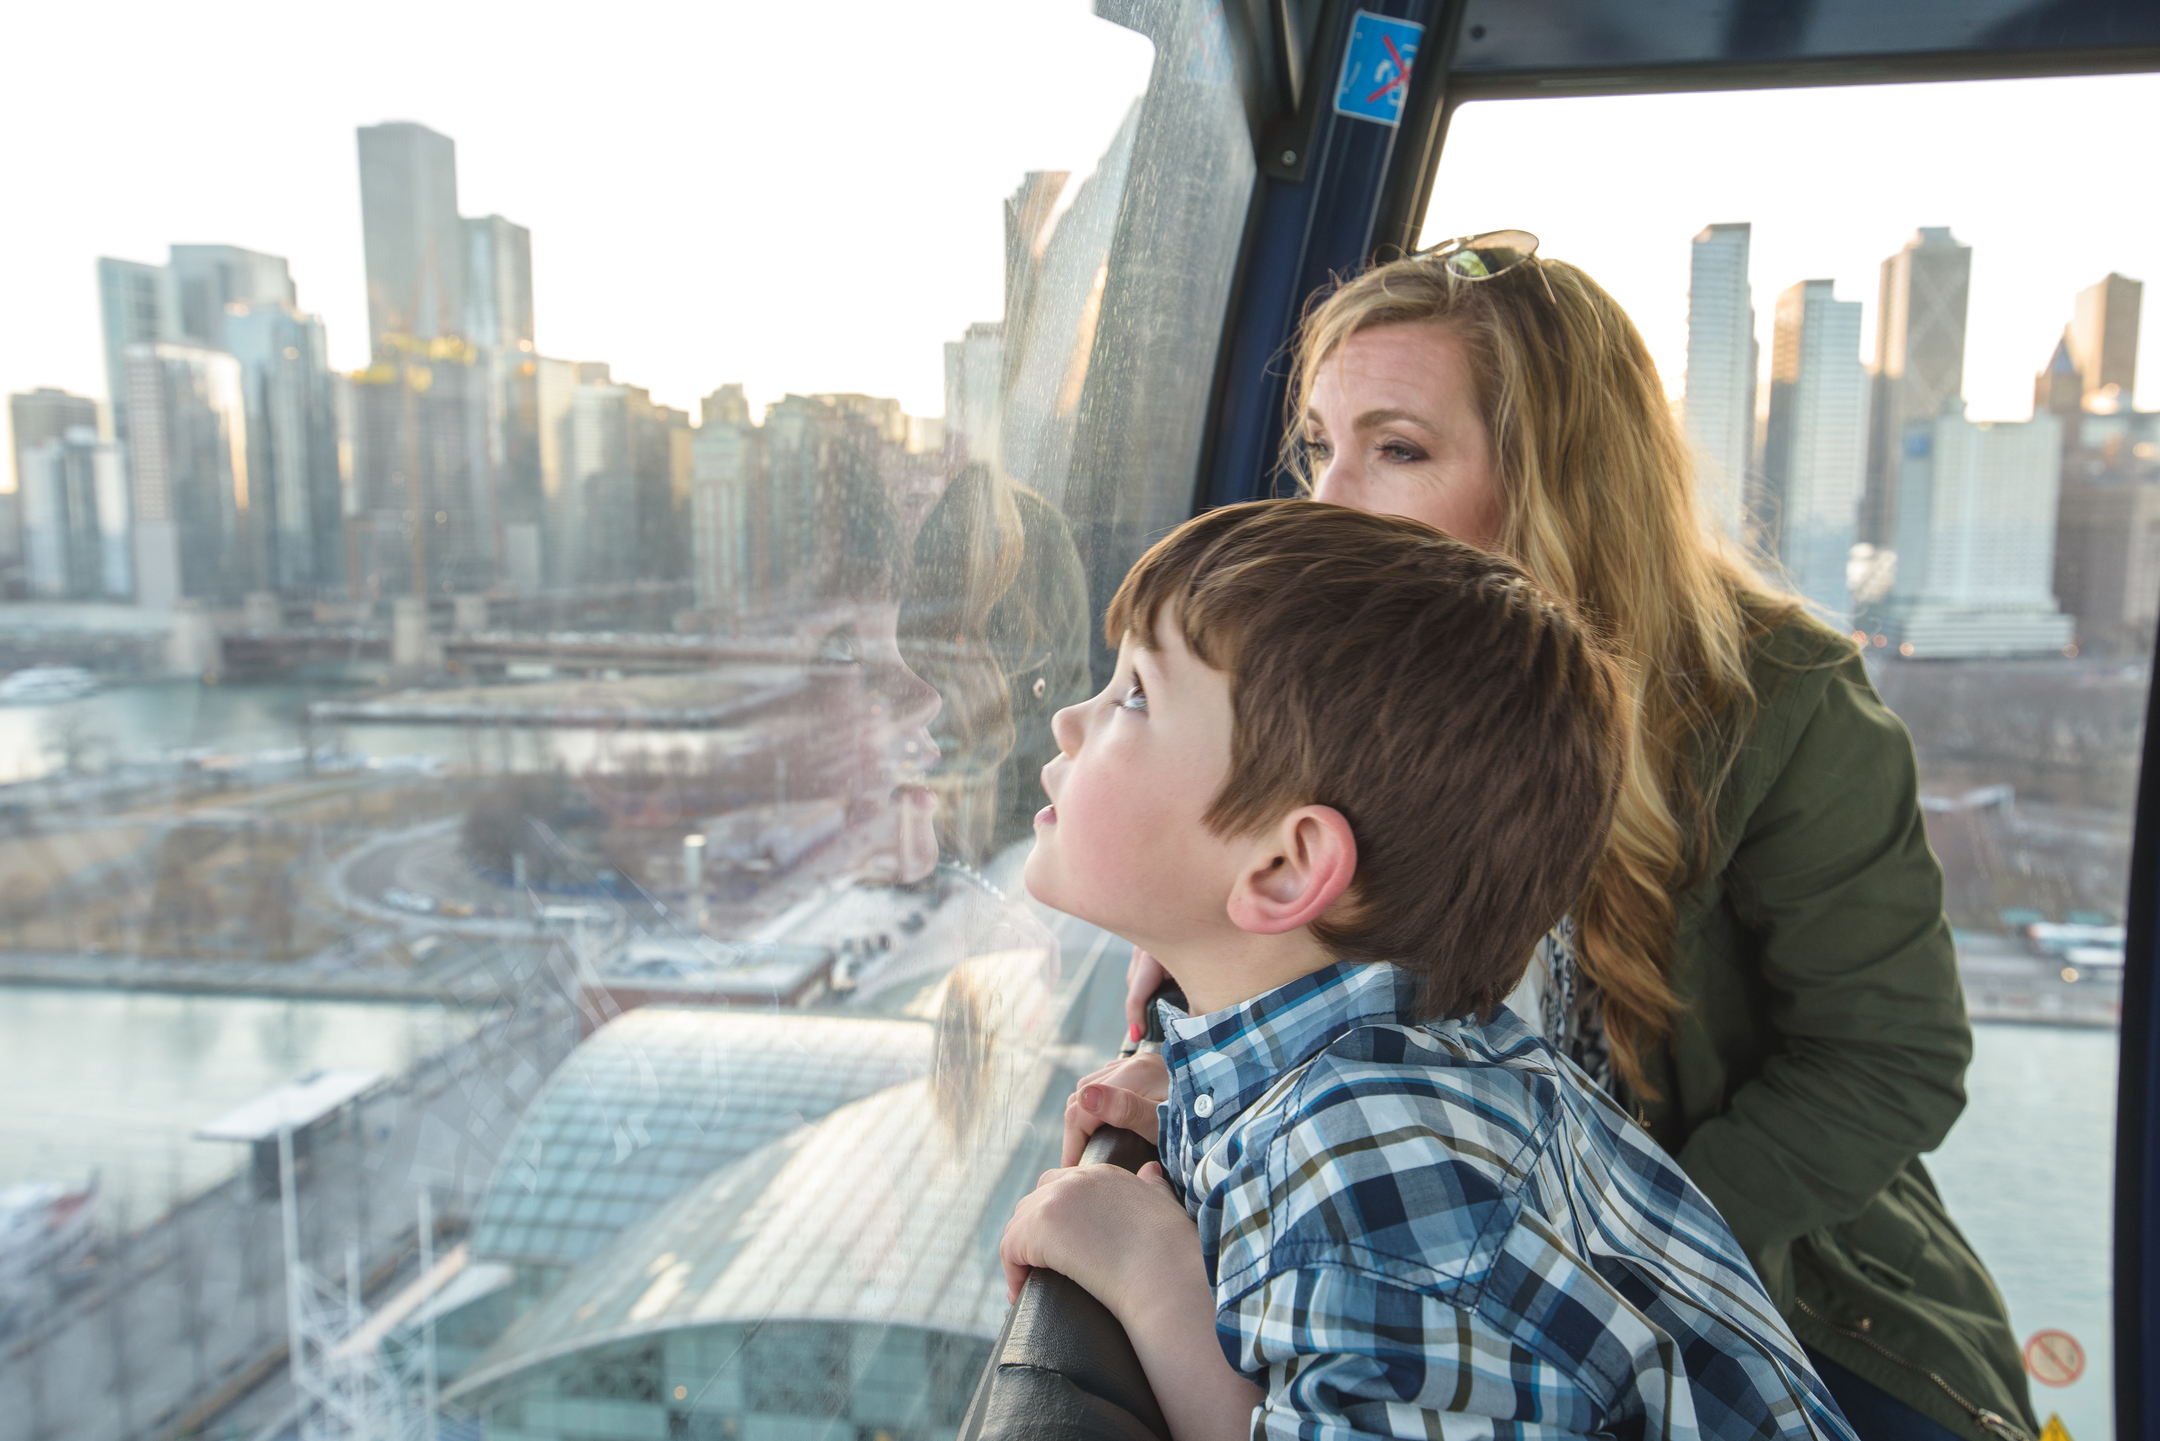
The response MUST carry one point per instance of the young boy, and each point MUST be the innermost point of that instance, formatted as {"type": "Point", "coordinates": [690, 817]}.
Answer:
{"type": "Point", "coordinates": [1347, 772]}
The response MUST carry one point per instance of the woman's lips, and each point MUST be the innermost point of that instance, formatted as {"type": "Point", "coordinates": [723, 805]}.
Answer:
{"type": "Point", "coordinates": [1047, 816]}
{"type": "Point", "coordinates": [916, 794]}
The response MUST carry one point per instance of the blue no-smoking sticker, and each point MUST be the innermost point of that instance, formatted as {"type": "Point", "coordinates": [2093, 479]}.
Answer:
{"type": "Point", "coordinates": [1376, 67]}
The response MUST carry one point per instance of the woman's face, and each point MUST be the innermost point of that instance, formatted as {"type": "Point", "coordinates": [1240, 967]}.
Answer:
{"type": "Point", "coordinates": [1394, 429]}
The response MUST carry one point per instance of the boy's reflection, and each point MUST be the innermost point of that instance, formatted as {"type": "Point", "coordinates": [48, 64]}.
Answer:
{"type": "Point", "coordinates": [995, 618]}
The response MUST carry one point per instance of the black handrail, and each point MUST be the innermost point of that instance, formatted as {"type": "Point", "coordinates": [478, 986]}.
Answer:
{"type": "Point", "coordinates": [1063, 1368]}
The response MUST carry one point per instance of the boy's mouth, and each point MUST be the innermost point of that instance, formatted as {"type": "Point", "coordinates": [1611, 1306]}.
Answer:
{"type": "Point", "coordinates": [1047, 816]}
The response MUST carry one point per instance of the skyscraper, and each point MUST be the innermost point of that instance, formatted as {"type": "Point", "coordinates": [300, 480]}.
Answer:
{"type": "Point", "coordinates": [189, 474]}
{"type": "Point", "coordinates": [137, 305]}
{"type": "Point", "coordinates": [208, 278]}
{"type": "Point", "coordinates": [36, 417]}
{"type": "Point", "coordinates": [498, 283]}
{"type": "Point", "coordinates": [1814, 450]}
{"type": "Point", "coordinates": [295, 532]}
{"type": "Point", "coordinates": [426, 523]}
{"type": "Point", "coordinates": [415, 243]}
{"type": "Point", "coordinates": [974, 391]}
{"type": "Point", "coordinates": [1976, 512]}
{"type": "Point", "coordinates": [1721, 368]}
{"type": "Point", "coordinates": [75, 518]}
{"type": "Point", "coordinates": [623, 513]}
{"type": "Point", "coordinates": [2103, 336]}
{"type": "Point", "coordinates": [1919, 361]}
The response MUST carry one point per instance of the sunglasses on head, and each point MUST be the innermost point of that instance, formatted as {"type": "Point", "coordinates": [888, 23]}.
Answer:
{"type": "Point", "coordinates": [1481, 257]}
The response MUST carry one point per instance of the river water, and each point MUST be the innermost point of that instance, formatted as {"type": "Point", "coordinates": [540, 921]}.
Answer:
{"type": "Point", "coordinates": [118, 1082]}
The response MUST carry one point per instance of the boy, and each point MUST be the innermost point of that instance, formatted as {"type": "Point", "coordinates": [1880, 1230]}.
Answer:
{"type": "Point", "coordinates": [1347, 772]}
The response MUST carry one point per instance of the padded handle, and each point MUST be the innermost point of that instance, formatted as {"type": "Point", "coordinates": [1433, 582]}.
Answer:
{"type": "Point", "coordinates": [1063, 1369]}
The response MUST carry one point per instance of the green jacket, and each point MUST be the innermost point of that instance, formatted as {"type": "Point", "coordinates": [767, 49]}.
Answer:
{"type": "Point", "coordinates": [1824, 1042]}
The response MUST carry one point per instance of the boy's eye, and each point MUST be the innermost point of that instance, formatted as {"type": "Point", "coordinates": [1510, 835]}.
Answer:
{"type": "Point", "coordinates": [1135, 698]}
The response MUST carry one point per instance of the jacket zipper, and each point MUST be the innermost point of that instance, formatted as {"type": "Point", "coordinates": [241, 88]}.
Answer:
{"type": "Point", "coordinates": [1987, 1420]}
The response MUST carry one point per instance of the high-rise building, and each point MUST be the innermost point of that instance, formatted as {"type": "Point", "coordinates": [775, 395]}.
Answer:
{"type": "Point", "coordinates": [1722, 363]}
{"type": "Point", "coordinates": [209, 279]}
{"type": "Point", "coordinates": [623, 510]}
{"type": "Point", "coordinates": [74, 507]}
{"type": "Point", "coordinates": [137, 305]}
{"type": "Point", "coordinates": [2103, 337]}
{"type": "Point", "coordinates": [415, 242]}
{"type": "Point", "coordinates": [974, 392]}
{"type": "Point", "coordinates": [2107, 564]}
{"type": "Point", "coordinates": [37, 417]}
{"type": "Point", "coordinates": [189, 475]}
{"type": "Point", "coordinates": [498, 283]}
{"type": "Point", "coordinates": [1815, 442]}
{"type": "Point", "coordinates": [425, 521]}
{"type": "Point", "coordinates": [773, 504]}
{"type": "Point", "coordinates": [1975, 541]}
{"type": "Point", "coordinates": [1919, 362]}
{"type": "Point", "coordinates": [295, 522]}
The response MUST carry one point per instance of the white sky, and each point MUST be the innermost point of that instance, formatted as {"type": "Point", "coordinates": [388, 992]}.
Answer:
{"type": "Point", "coordinates": [2049, 182]}
{"type": "Point", "coordinates": [809, 200]}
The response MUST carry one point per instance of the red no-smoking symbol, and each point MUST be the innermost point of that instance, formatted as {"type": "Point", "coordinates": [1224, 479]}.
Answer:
{"type": "Point", "coordinates": [1402, 71]}
{"type": "Point", "coordinates": [2054, 1358]}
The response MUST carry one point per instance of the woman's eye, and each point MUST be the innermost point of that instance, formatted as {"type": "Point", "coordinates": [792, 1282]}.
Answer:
{"type": "Point", "coordinates": [1317, 448]}
{"type": "Point", "coordinates": [1135, 698]}
{"type": "Point", "coordinates": [1398, 452]}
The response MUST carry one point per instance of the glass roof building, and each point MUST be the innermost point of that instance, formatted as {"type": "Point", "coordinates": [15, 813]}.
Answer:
{"type": "Point", "coordinates": [662, 1097]}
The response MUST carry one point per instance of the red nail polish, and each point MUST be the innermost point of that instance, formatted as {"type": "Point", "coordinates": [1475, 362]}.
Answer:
{"type": "Point", "coordinates": [1133, 1032]}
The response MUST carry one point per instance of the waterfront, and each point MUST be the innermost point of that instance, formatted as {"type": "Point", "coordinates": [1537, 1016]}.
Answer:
{"type": "Point", "coordinates": [116, 1082]}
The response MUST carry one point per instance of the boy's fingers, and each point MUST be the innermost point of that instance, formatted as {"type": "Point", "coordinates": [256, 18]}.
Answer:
{"type": "Point", "coordinates": [1079, 1125]}
{"type": "Point", "coordinates": [1116, 1106]}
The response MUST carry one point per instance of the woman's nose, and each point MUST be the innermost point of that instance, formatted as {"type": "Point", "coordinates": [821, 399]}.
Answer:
{"type": "Point", "coordinates": [1335, 485]}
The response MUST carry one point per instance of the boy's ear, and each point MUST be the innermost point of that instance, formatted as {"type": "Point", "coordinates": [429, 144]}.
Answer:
{"type": "Point", "coordinates": [1296, 869]}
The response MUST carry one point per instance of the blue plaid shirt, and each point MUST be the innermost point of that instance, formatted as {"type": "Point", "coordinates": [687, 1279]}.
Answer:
{"type": "Point", "coordinates": [1440, 1229]}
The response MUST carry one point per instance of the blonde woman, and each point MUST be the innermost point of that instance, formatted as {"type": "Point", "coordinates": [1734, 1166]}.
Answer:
{"type": "Point", "coordinates": [1760, 970]}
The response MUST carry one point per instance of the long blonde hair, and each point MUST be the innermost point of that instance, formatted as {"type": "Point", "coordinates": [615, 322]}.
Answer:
{"type": "Point", "coordinates": [1599, 504]}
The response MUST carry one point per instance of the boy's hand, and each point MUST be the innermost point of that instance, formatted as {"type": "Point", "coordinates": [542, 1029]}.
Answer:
{"type": "Point", "coordinates": [1112, 1231]}
{"type": "Point", "coordinates": [1123, 1093]}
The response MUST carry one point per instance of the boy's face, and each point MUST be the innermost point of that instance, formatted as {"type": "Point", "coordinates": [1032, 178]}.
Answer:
{"type": "Point", "coordinates": [1121, 843]}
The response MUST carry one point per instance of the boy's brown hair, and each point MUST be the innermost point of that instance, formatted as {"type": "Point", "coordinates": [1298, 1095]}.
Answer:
{"type": "Point", "coordinates": [1465, 724]}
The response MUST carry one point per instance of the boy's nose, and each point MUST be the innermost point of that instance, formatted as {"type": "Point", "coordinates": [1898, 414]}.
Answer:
{"type": "Point", "coordinates": [1065, 729]}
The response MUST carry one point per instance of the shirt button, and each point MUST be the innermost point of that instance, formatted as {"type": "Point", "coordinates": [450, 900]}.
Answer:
{"type": "Point", "coordinates": [1203, 1106]}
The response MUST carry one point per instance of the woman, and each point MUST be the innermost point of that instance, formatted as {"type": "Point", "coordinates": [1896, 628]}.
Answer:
{"type": "Point", "coordinates": [1760, 969]}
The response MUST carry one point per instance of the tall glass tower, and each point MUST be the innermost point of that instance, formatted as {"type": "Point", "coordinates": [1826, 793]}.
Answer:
{"type": "Point", "coordinates": [415, 243]}
{"type": "Point", "coordinates": [1814, 447]}
{"type": "Point", "coordinates": [1919, 361]}
{"type": "Point", "coordinates": [1721, 368]}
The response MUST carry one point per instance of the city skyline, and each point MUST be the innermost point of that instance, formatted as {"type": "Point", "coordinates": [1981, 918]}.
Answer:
{"type": "Point", "coordinates": [664, 206]}
{"type": "Point", "coordinates": [666, 320]}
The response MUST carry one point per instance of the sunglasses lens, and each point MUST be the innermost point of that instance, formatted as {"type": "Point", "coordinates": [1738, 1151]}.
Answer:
{"type": "Point", "coordinates": [1488, 255]}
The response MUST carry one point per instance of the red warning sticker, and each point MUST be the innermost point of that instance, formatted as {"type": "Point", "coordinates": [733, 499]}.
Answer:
{"type": "Point", "coordinates": [2054, 1357]}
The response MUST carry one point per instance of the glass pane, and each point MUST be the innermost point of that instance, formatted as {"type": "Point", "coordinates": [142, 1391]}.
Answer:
{"type": "Point", "coordinates": [1928, 424]}
{"type": "Point", "coordinates": [521, 699]}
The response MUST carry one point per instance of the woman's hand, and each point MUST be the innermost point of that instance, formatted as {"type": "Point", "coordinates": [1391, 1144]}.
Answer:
{"type": "Point", "coordinates": [1123, 1093]}
{"type": "Point", "coordinates": [1108, 1229]}
{"type": "Point", "coordinates": [1143, 973]}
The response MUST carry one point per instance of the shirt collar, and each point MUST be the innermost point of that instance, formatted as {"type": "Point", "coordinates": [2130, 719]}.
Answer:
{"type": "Point", "coordinates": [1222, 1062]}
